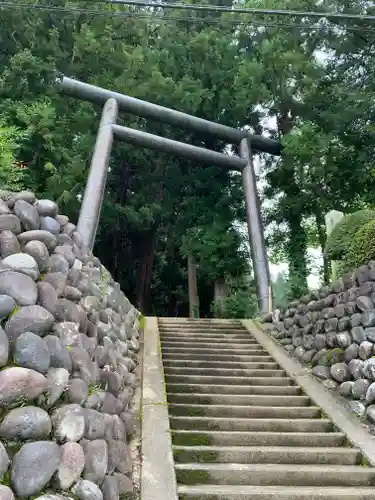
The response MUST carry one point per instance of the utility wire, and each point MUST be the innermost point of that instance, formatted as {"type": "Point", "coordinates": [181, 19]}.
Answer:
{"type": "Point", "coordinates": [242, 10]}
{"type": "Point", "coordinates": [156, 19]}
{"type": "Point", "coordinates": [202, 7]}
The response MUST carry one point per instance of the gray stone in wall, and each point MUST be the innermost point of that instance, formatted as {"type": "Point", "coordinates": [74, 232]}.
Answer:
{"type": "Point", "coordinates": [23, 263]}
{"type": "Point", "coordinates": [368, 318]}
{"type": "Point", "coordinates": [30, 351]}
{"type": "Point", "coordinates": [96, 460]}
{"type": "Point", "coordinates": [8, 244]}
{"type": "Point", "coordinates": [57, 280]}
{"type": "Point", "coordinates": [366, 350]}
{"type": "Point", "coordinates": [4, 461]}
{"type": "Point", "coordinates": [370, 394]}
{"type": "Point", "coordinates": [370, 413]}
{"type": "Point", "coordinates": [299, 352]}
{"type": "Point", "coordinates": [359, 388]}
{"type": "Point", "coordinates": [340, 311]}
{"type": "Point", "coordinates": [28, 422]}
{"type": "Point", "coordinates": [343, 324]}
{"type": "Point", "coordinates": [87, 490]}
{"type": "Point", "coordinates": [110, 488]}
{"type": "Point", "coordinates": [46, 208]}
{"type": "Point", "coordinates": [351, 308]}
{"type": "Point", "coordinates": [6, 493]}
{"type": "Point", "coordinates": [340, 372]}
{"type": "Point", "coordinates": [320, 341]}
{"type": "Point", "coordinates": [4, 348]}
{"type": "Point", "coordinates": [343, 339]}
{"type": "Point", "coordinates": [33, 467]}
{"type": "Point", "coordinates": [353, 294]}
{"type": "Point", "coordinates": [355, 368]}
{"type": "Point", "coordinates": [366, 289]}
{"type": "Point", "coordinates": [331, 340]}
{"type": "Point", "coordinates": [39, 251]}
{"type": "Point", "coordinates": [358, 334]}
{"type": "Point", "coordinates": [346, 388]}
{"type": "Point", "coordinates": [357, 408]}
{"type": "Point", "coordinates": [20, 384]}
{"type": "Point", "coordinates": [10, 222]}
{"type": "Point", "coordinates": [331, 325]}
{"type": "Point", "coordinates": [368, 369]}
{"type": "Point", "coordinates": [322, 372]}
{"type": "Point", "coordinates": [351, 352]}
{"type": "Point", "coordinates": [19, 286]}
{"type": "Point", "coordinates": [72, 463]}
{"type": "Point", "coordinates": [370, 334]}
{"type": "Point", "coordinates": [44, 236]}
{"type": "Point", "coordinates": [319, 326]}
{"type": "Point", "coordinates": [57, 380]}
{"type": "Point", "coordinates": [69, 423]}
{"type": "Point", "coordinates": [362, 274]}
{"type": "Point", "coordinates": [50, 224]}
{"type": "Point", "coordinates": [33, 319]}
{"type": "Point", "coordinates": [364, 303]}
{"type": "Point", "coordinates": [27, 214]}
{"type": "Point", "coordinates": [60, 356]}
{"type": "Point", "coordinates": [356, 319]}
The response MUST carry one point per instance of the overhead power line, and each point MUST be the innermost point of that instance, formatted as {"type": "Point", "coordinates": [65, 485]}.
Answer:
{"type": "Point", "coordinates": [152, 17]}
{"type": "Point", "coordinates": [200, 7]}
{"type": "Point", "coordinates": [243, 10]}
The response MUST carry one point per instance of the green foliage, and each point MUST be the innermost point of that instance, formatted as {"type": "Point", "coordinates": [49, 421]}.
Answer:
{"type": "Point", "coordinates": [345, 231]}
{"type": "Point", "coordinates": [241, 301]}
{"type": "Point", "coordinates": [361, 248]}
{"type": "Point", "coordinates": [12, 176]}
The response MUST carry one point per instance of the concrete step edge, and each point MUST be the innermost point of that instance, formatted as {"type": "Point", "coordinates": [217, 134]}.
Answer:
{"type": "Point", "coordinates": [243, 492]}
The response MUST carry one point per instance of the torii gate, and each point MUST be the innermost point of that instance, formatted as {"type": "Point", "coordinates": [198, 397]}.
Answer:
{"type": "Point", "coordinates": [94, 191]}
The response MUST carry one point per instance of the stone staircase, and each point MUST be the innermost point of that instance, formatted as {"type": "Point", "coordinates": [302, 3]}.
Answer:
{"type": "Point", "coordinates": [242, 429]}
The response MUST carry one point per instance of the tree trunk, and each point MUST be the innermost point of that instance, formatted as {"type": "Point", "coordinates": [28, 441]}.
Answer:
{"type": "Point", "coordinates": [220, 294]}
{"type": "Point", "coordinates": [193, 289]}
{"type": "Point", "coordinates": [320, 224]}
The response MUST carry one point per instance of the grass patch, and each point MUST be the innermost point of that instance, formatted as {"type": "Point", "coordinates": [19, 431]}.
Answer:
{"type": "Point", "coordinates": [193, 477]}
{"type": "Point", "coordinates": [93, 389]}
{"type": "Point", "coordinates": [190, 439]}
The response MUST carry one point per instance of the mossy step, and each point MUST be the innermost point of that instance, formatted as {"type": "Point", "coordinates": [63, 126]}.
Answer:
{"type": "Point", "coordinates": [239, 399]}
{"type": "Point", "coordinates": [243, 492]}
{"type": "Point", "coordinates": [210, 379]}
{"type": "Point", "coordinates": [234, 389]}
{"type": "Point", "coordinates": [242, 438]}
{"type": "Point", "coordinates": [252, 424]}
{"type": "Point", "coordinates": [275, 474]}
{"type": "Point", "coordinates": [244, 411]}
{"type": "Point", "coordinates": [266, 455]}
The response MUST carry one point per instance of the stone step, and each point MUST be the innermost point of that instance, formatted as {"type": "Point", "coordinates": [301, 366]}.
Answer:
{"type": "Point", "coordinates": [203, 328]}
{"type": "Point", "coordinates": [238, 399]}
{"type": "Point", "coordinates": [220, 364]}
{"type": "Point", "coordinates": [217, 357]}
{"type": "Point", "coordinates": [256, 349]}
{"type": "Point", "coordinates": [242, 372]}
{"type": "Point", "coordinates": [223, 346]}
{"type": "Point", "coordinates": [242, 438]}
{"type": "Point", "coordinates": [235, 389]}
{"type": "Point", "coordinates": [209, 379]}
{"type": "Point", "coordinates": [244, 411]}
{"type": "Point", "coordinates": [242, 492]}
{"type": "Point", "coordinates": [207, 337]}
{"type": "Point", "coordinates": [252, 424]}
{"type": "Point", "coordinates": [275, 474]}
{"type": "Point", "coordinates": [266, 455]}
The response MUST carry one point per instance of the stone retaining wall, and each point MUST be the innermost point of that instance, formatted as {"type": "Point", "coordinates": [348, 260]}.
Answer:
{"type": "Point", "coordinates": [68, 351]}
{"type": "Point", "coordinates": [332, 330]}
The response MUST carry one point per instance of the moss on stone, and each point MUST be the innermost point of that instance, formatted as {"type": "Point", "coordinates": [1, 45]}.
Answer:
{"type": "Point", "coordinates": [205, 456]}
{"type": "Point", "coordinates": [193, 477]}
{"type": "Point", "coordinates": [340, 238]}
{"type": "Point", "coordinates": [190, 439]}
